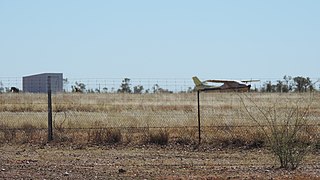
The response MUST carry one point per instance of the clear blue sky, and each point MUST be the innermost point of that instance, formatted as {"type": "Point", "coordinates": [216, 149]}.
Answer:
{"type": "Point", "coordinates": [160, 39]}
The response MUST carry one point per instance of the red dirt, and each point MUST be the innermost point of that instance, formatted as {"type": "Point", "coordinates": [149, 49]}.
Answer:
{"type": "Point", "coordinates": [145, 162]}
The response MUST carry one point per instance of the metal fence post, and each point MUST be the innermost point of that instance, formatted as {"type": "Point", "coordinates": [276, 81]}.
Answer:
{"type": "Point", "coordinates": [50, 134]}
{"type": "Point", "coordinates": [199, 125]}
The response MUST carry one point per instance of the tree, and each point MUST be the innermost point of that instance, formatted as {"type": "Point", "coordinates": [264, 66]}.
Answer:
{"type": "Point", "coordinates": [78, 87]}
{"type": "Point", "coordinates": [157, 89]}
{"type": "Point", "coordinates": [138, 89]}
{"type": "Point", "coordinates": [302, 83]}
{"type": "Point", "coordinates": [190, 90]}
{"type": "Point", "coordinates": [268, 87]}
{"type": "Point", "coordinates": [105, 90]}
{"type": "Point", "coordinates": [282, 87]}
{"type": "Point", "coordinates": [288, 82]}
{"type": "Point", "coordinates": [125, 86]}
{"type": "Point", "coordinates": [90, 91]}
{"type": "Point", "coordinates": [279, 86]}
{"type": "Point", "coordinates": [65, 84]}
{"type": "Point", "coordinates": [97, 90]}
{"type": "Point", "coordinates": [1, 87]}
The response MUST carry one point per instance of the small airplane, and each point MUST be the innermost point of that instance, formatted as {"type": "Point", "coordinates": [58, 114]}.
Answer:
{"type": "Point", "coordinates": [228, 85]}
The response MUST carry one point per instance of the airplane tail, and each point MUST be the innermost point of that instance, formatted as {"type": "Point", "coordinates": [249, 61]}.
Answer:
{"type": "Point", "coordinates": [197, 81]}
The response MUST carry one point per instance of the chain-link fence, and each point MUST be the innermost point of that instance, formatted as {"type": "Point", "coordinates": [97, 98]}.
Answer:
{"type": "Point", "coordinates": [167, 108]}
{"type": "Point", "coordinates": [148, 85]}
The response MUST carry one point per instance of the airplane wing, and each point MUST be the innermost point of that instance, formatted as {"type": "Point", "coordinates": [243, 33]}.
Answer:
{"type": "Point", "coordinates": [221, 81]}
{"type": "Point", "coordinates": [252, 80]}
{"type": "Point", "coordinates": [231, 81]}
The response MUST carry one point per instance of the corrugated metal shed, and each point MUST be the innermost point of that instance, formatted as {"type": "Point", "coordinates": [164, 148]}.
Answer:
{"type": "Point", "coordinates": [38, 83]}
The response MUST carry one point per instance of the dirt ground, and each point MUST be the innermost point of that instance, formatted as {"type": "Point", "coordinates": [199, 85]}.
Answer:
{"type": "Point", "coordinates": [145, 162]}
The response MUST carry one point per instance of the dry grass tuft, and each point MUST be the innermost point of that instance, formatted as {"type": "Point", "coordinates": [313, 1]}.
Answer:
{"type": "Point", "coordinates": [105, 136]}
{"type": "Point", "coordinates": [159, 137]}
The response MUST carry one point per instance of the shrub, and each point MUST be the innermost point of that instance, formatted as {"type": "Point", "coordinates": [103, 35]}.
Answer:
{"type": "Point", "coordinates": [283, 125]}
{"type": "Point", "coordinates": [105, 136]}
{"type": "Point", "coordinates": [185, 136]}
{"type": "Point", "coordinates": [7, 134]}
{"type": "Point", "coordinates": [29, 132]}
{"type": "Point", "coordinates": [160, 137]}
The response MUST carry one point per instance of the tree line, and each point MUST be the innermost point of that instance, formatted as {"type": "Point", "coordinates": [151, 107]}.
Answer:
{"type": "Point", "coordinates": [125, 87]}
{"type": "Point", "coordinates": [285, 85]}
{"type": "Point", "coordinates": [290, 84]}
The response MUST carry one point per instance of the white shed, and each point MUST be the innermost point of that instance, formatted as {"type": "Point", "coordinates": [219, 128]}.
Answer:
{"type": "Point", "coordinates": [38, 83]}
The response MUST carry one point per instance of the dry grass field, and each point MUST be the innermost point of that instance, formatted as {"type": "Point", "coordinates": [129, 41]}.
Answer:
{"type": "Point", "coordinates": [223, 115]}
{"type": "Point", "coordinates": [153, 135]}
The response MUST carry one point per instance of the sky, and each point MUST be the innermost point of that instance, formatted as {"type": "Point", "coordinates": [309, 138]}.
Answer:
{"type": "Point", "coordinates": [226, 39]}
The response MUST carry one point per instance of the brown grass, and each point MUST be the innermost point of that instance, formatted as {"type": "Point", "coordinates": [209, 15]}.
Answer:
{"type": "Point", "coordinates": [87, 118]}
{"type": "Point", "coordinates": [97, 135]}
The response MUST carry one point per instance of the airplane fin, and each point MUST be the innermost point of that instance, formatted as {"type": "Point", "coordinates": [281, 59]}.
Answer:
{"type": "Point", "coordinates": [197, 81]}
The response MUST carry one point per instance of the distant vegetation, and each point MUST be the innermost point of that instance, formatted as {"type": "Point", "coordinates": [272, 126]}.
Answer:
{"type": "Point", "coordinates": [290, 84]}
{"type": "Point", "coordinates": [125, 87]}
{"type": "Point", "coordinates": [285, 85]}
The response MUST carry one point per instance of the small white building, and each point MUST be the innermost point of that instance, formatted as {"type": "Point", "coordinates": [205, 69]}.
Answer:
{"type": "Point", "coordinates": [38, 83]}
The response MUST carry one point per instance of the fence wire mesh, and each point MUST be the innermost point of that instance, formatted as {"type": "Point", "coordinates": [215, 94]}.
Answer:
{"type": "Point", "coordinates": [225, 117]}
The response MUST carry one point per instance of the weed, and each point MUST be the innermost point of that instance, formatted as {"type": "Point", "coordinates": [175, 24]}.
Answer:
{"type": "Point", "coordinates": [7, 134]}
{"type": "Point", "coordinates": [29, 131]}
{"type": "Point", "coordinates": [283, 130]}
{"type": "Point", "coordinates": [185, 136]}
{"type": "Point", "coordinates": [160, 137]}
{"type": "Point", "coordinates": [105, 136]}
